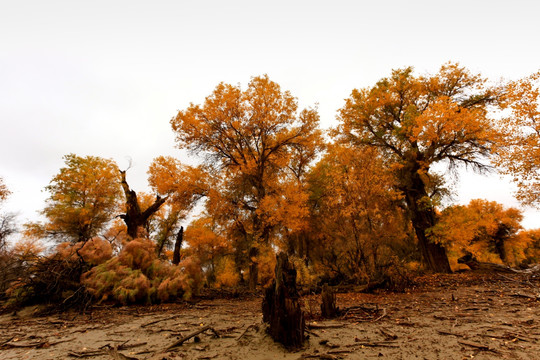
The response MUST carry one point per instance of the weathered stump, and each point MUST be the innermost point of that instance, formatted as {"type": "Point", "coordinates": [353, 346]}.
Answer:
{"type": "Point", "coordinates": [328, 305]}
{"type": "Point", "coordinates": [281, 308]}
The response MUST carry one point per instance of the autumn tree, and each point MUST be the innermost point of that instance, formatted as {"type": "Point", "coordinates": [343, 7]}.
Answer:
{"type": "Point", "coordinates": [183, 185]}
{"type": "Point", "coordinates": [207, 242]}
{"type": "Point", "coordinates": [483, 228]}
{"type": "Point", "coordinates": [254, 140]}
{"type": "Point", "coordinates": [419, 121]}
{"type": "Point", "coordinates": [519, 153]}
{"type": "Point", "coordinates": [84, 198]}
{"type": "Point", "coordinates": [7, 220]}
{"type": "Point", "coordinates": [356, 219]}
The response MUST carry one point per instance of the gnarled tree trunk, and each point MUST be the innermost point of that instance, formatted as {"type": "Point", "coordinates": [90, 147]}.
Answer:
{"type": "Point", "coordinates": [134, 217]}
{"type": "Point", "coordinates": [178, 246]}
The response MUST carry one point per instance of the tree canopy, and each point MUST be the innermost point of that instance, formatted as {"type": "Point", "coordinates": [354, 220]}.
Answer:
{"type": "Point", "coordinates": [83, 198]}
{"type": "Point", "coordinates": [258, 145]}
{"type": "Point", "coordinates": [418, 121]}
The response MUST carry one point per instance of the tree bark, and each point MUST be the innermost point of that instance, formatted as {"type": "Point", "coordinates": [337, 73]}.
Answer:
{"type": "Point", "coordinates": [253, 268]}
{"type": "Point", "coordinates": [178, 246]}
{"type": "Point", "coordinates": [281, 308]}
{"type": "Point", "coordinates": [134, 217]}
{"type": "Point", "coordinates": [423, 218]}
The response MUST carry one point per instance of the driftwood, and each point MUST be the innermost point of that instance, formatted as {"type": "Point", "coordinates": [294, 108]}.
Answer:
{"type": "Point", "coordinates": [281, 308]}
{"type": "Point", "coordinates": [106, 350]}
{"type": "Point", "coordinates": [193, 334]}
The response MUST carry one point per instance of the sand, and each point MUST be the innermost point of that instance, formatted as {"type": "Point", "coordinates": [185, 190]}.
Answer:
{"type": "Point", "coordinates": [478, 316]}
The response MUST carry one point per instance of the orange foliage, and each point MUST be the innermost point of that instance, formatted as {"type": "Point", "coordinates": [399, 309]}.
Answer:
{"type": "Point", "coordinates": [356, 218]}
{"type": "Point", "coordinates": [84, 197]}
{"type": "Point", "coordinates": [484, 228]}
{"type": "Point", "coordinates": [94, 251]}
{"type": "Point", "coordinates": [226, 273]}
{"type": "Point", "coordinates": [138, 254]}
{"type": "Point", "coordinates": [418, 122]}
{"type": "Point", "coordinates": [519, 154]}
{"type": "Point", "coordinates": [260, 147]}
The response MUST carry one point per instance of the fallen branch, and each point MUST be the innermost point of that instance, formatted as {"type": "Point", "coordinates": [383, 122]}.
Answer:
{"type": "Point", "coordinates": [7, 341]}
{"type": "Point", "coordinates": [113, 352]}
{"type": "Point", "coordinates": [193, 334]}
{"type": "Point", "coordinates": [160, 320]}
{"type": "Point", "coordinates": [477, 346]}
{"type": "Point", "coordinates": [37, 345]}
{"type": "Point", "coordinates": [388, 334]}
{"type": "Point", "coordinates": [533, 297]}
{"type": "Point", "coordinates": [318, 356]}
{"type": "Point", "coordinates": [392, 344]}
{"type": "Point", "coordinates": [441, 332]}
{"type": "Point", "coordinates": [103, 350]}
{"type": "Point", "coordinates": [380, 317]}
{"type": "Point", "coordinates": [329, 326]}
{"type": "Point", "coordinates": [252, 326]}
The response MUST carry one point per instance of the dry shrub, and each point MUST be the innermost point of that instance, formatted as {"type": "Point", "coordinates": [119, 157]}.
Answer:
{"type": "Point", "coordinates": [93, 252]}
{"type": "Point", "coordinates": [395, 276]}
{"type": "Point", "coordinates": [133, 288]}
{"type": "Point", "coordinates": [304, 276]}
{"type": "Point", "coordinates": [138, 276]}
{"type": "Point", "coordinates": [51, 280]}
{"type": "Point", "coordinates": [194, 276]}
{"type": "Point", "coordinates": [138, 254]}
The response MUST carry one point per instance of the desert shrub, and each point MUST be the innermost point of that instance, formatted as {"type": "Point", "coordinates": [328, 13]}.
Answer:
{"type": "Point", "coordinates": [138, 254]}
{"type": "Point", "coordinates": [136, 275]}
{"type": "Point", "coordinates": [191, 268]}
{"type": "Point", "coordinates": [93, 252]}
{"type": "Point", "coordinates": [38, 279]}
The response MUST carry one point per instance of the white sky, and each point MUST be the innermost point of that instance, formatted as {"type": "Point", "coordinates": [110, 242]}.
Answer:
{"type": "Point", "coordinates": [105, 77]}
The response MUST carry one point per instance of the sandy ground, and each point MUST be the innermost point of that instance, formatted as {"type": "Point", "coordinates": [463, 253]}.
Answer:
{"type": "Point", "coordinates": [444, 317]}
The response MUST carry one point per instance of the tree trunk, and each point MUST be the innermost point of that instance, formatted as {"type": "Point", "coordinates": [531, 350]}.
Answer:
{"type": "Point", "coordinates": [134, 217]}
{"type": "Point", "coordinates": [328, 305]}
{"type": "Point", "coordinates": [281, 309]}
{"type": "Point", "coordinates": [253, 268]}
{"type": "Point", "coordinates": [423, 218]}
{"type": "Point", "coordinates": [178, 246]}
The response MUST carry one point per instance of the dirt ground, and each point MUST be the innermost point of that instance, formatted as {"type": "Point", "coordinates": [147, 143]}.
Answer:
{"type": "Point", "coordinates": [461, 316]}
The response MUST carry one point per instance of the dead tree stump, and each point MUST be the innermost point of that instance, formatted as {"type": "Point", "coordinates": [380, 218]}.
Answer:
{"type": "Point", "coordinates": [328, 305]}
{"type": "Point", "coordinates": [281, 308]}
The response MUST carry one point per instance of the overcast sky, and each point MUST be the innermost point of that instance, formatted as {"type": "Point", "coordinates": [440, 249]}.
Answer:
{"type": "Point", "coordinates": [105, 77]}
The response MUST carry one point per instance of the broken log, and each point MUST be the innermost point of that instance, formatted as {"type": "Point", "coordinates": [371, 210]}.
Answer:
{"type": "Point", "coordinates": [281, 308]}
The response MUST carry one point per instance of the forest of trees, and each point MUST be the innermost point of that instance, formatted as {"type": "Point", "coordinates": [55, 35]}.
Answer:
{"type": "Point", "coordinates": [357, 204]}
